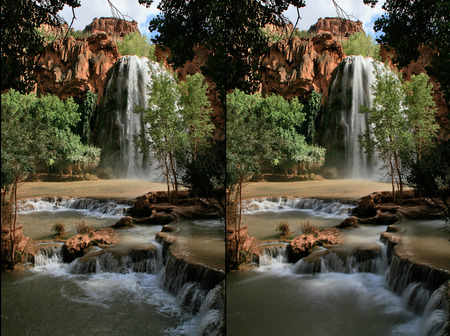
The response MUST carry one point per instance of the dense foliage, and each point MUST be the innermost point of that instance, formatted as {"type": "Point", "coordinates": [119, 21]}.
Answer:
{"type": "Point", "coordinates": [402, 122]}
{"type": "Point", "coordinates": [361, 44]}
{"type": "Point", "coordinates": [231, 29]}
{"type": "Point", "coordinates": [21, 41]}
{"type": "Point", "coordinates": [178, 123]}
{"type": "Point", "coordinates": [407, 25]}
{"type": "Point", "coordinates": [136, 44]}
{"type": "Point", "coordinates": [262, 132]}
{"type": "Point", "coordinates": [39, 133]}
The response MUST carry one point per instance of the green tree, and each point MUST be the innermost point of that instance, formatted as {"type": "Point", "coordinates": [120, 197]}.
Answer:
{"type": "Point", "coordinates": [21, 41]}
{"type": "Point", "coordinates": [312, 111]}
{"type": "Point", "coordinates": [136, 44]}
{"type": "Point", "coordinates": [247, 140]}
{"type": "Point", "coordinates": [402, 123]}
{"type": "Point", "coordinates": [164, 133]}
{"type": "Point", "coordinates": [231, 29]}
{"type": "Point", "coordinates": [361, 44]}
{"type": "Point", "coordinates": [407, 25]}
{"type": "Point", "coordinates": [388, 129]}
{"type": "Point", "coordinates": [86, 110]}
{"type": "Point", "coordinates": [23, 145]}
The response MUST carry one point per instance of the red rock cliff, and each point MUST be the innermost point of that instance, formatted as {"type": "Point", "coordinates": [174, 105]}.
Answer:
{"type": "Point", "coordinates": [297, 67]}
{"type": "Point", "coordinates": [112, 27]}
{"type": "Point", "coordinates": [75, 66]}
{"type": "Point", "coordinates": [336, 27]}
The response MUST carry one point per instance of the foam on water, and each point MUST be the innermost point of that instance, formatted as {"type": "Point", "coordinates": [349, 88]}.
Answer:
{"type": "Point", "coordinates": [324, 208]}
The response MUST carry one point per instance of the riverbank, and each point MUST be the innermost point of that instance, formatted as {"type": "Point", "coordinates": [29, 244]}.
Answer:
{"type": "Point", "coordinates": [117, 189]}
{"type": "Point", "coordinates": [341, 189]}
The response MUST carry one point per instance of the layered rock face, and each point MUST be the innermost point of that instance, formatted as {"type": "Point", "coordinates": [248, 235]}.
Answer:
{"type": "Point", "coordinates": [112, 27]}
{"type": "Point", "coordinates": [336, 27]}
{"type": "Point", "coordinates": [75, 66]}
{"type": "Point", "coordinates": [296, 67]}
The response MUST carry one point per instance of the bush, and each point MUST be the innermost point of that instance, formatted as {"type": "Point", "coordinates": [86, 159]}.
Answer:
{"type": "Point", "coordinates": [284, 229]}
{"type": "Point", "coordinates": [59, 229]}
{"type": "Point", "coordinates": [307, 228]}
{"type": "Point", "coordinates": [82, 228]}
{"type": "Point", "coordinates": [137, 44]}
{"type": "Point", "coordinates": [361, 44]}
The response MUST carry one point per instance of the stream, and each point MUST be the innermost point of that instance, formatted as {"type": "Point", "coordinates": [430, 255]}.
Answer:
{"type": "Point", "coordinates": [332, 291]}
{"type": "Point", "coordinates": [136, 287]}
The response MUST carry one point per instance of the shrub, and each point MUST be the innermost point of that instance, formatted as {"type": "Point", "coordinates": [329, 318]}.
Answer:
{"type": "Point", "coordinates": [307, 228]}
{"type": "Point", "coordinates": [361, 44]}
{"type": "Point", "coordinates": [284, 229]}
{"type": "Point", "coordinates": [137, 44]}
{"type": "Point", "coordinates": [82, 228]}
{"type": "Point", "coordinates": [59, 229]}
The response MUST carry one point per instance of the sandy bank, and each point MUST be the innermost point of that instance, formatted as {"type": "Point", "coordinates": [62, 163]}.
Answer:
{"type": "Point", "coordinates": [344, 189]}
{"type": "Point", "coordinates": [112, 189]}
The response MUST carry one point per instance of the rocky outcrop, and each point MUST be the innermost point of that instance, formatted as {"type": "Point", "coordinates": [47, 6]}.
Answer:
{"type": "Point", "coordinates": [70, 68]}
{"type": "Point", "coordinates": [296, 67]}
{"type": "Point", "coordinates": [113, 27]}
{"type": "Point", "coordinates": [300, 246]}
{"type": "Point", "coordinates": [336, 27]}
{"type": "Point", "coordinates": [377, 208]}
{"type": "Point", "coordinates": [249, 246]}
{"type": "Point", "coordinates": [24, 246]}
{"type": "Point", "coordinates": [76, 246]}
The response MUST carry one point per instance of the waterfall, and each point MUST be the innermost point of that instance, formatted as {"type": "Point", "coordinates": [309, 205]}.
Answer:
{"type": "Point", "coordinates": [273, 253]}
{"type": "Point", "coordinates": [342, 122]}
{"type": "Point", "coordinates": [126, 88]}
{"type": "Point", "coordinates": [314, 205]}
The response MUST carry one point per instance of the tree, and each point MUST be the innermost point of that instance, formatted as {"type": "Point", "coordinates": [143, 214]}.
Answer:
{"type": "Point", "coordinates": [408, 25]}
{"type": "Point", "coordinates": [21, 41]}
{"type": "Point", "coordinates": [230, 29]}
{"type": "Point", "coordinates": [163, 130]}
{"type": "Point", "coordinates": [136, 44]}
{"type": "Point", "coordinates": [178, 123]}
{"type": "Point", "coordinates": [361, 44]}
{"type": "Point", "coordinates": [247, 140]}
{"type": "Point", "coordinates": [23, 144]}
{"type": "Point", "coordinates": [402, 123]}
{"type": "Point", "coordinates": [388, 129]}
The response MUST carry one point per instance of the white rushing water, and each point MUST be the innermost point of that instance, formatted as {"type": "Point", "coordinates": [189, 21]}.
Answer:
{"type": "Point", "coordinates": [350, 89]}
{"type": "Point", "coordinates": [93, 207]}
{"type": "Point", "coordinates": [312, 205]}
{"type": "Point", "coordinates": [109, 281]}
{"type": "Point", "coordinates": [127, 87]}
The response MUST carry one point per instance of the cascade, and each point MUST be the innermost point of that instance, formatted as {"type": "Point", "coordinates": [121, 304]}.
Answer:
{"type": "Point", "coordinates": [198, 290]}
{"type": "Point", "coordinates": [126, 88]}
{"type": "Point", "coordinates": [350, 88]}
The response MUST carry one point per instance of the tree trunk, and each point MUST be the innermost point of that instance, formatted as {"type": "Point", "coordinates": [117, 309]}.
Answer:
{"type": "Point", "coordinates": [174, 173]}
{"type": "Point", "coordinates": [399, 173]}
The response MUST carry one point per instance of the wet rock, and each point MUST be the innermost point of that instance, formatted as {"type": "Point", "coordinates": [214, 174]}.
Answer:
{"type": "Point", "coordinates": [300, 246]}
{"type": "Point", "coordinates": [76, 246]}
{"type": "Point", "coordinates": [348, 223]}
{"type": "Point", "coordinates": [169, 228]}
{"type": "Point", "coordinates": [382, 218]}
{"type": "Point", "coordinates": [124, 222]}
{"type": "Point", "coordinates": [366, 207]}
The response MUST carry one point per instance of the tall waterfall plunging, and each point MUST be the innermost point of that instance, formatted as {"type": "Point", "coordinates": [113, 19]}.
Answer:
{"type": "Point", "coordinates": [342, 122]}
{"type": "Point", "coordinates": [126, 88]}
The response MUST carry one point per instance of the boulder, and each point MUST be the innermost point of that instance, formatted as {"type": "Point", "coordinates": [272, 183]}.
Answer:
{"type": "Point", "coordinates": [300, 246]}
{"type": "Point", "coordinates": [382, 218]}
{"type": "Point", "coordinates": [348, 222]}
{"type": "Point", "coordinates": [366, 207]}
{"type": "Point", "coordinates": [76, 246]}
{"type": "Point", "coordinates": [124, 222]}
